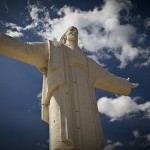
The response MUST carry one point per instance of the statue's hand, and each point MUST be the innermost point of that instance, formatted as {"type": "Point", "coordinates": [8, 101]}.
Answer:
{"type": "Point", "coordinates": [134, 85]}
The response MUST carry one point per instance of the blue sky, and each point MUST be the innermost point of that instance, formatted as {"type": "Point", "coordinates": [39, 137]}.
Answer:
{"type": "Point", "coordinates": [115, 33]}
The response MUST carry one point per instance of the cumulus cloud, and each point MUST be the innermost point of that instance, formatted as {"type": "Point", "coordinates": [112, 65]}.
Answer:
{"type": "Point", "coordinates": [14, 33]}
{"type": "Point", "coordinates": [122, 106]}
{"type": "Point", "coordinates": [100, 29]}
{"type": "Point", "coordinates": [145, 108]}
{"type": "Point", "coordinates": [144, 55]}
{"type": "Point", "coordinates": [94, 57]}
{"type": "Point", "coordinates": [142, 140]}
{"type": "Point", "coordinates": [13, 26]}
{"type": "Point", "coordinates": [13, 29]}
{"type": "Point", "coordinates": [34, 12]}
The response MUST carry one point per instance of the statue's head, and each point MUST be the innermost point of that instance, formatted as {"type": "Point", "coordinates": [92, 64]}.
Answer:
{"type": "Point", "coordinates": [71, 35]}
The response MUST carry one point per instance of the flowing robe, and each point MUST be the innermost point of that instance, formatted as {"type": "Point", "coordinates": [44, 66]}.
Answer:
{"type": "Point", "coordinates": [71, 104]}
{"type": "Point", "coordinates": [68, 98]}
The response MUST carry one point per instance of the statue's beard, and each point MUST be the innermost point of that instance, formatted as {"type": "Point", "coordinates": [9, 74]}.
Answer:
{"type": "Point", "coordinates": [73, 39]}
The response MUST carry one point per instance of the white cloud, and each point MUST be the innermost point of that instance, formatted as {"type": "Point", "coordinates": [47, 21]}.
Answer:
{"type": "Point", "coordinates": [12, 29]}
{"type": "Point", "coordinates": [13, 26]}
{"type": "Point", "coordinates": [146, 63]}
{"type": "Point", "coordinates": [142, 140]}
{"type": "Point", "coordinates": [31, 26]}
{"type": "Point", "coordinates": [147, 22]}
{"type": "Point", "coordinates": [94, 57]}
{"type": "Point", "coordinates": [142, 38]}
{"type": "Point", "coordinates": [145, 55]}
{"type": "Point", "coordinates": [136, 133]}
{"type": "Point", "coordinates": [99, 28]}
{"type": "Point", "coordinates": [122, 106]}
{"type": "Point", "coordinates": [39, 96]}
{"type": "Point", "coordinates": [110, 145]}
{"type": "Point", "coordinates": [14, 33]}
{"type": "Point", "coordinates": [146, 108]}
{"type": "Point", "coordinates": [34, 12]}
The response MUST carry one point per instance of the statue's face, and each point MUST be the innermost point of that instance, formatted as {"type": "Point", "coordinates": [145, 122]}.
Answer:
{"type": "Point", "coordinates": [72, 34]}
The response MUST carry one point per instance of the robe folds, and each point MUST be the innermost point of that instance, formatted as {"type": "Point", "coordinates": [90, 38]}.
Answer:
{"type": "Point", "coordinates": [68, 98]}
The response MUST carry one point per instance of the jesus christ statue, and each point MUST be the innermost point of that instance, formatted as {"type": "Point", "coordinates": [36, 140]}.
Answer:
{"type": "Point", "coordinates": [68, 99]}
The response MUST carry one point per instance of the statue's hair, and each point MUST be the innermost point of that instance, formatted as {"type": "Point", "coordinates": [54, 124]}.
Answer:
{"type": "Point", "coordinates": [63, 38]}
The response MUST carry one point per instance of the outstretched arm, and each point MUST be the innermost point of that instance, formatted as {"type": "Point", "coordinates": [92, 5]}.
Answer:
{"type": "Point", "coordinates": [109, 82]}
{"type": "Point", "coordinates": [32, 53]}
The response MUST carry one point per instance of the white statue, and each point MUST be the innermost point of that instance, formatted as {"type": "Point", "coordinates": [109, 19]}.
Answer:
{"type": "Point", "coordinates": [68, 98]}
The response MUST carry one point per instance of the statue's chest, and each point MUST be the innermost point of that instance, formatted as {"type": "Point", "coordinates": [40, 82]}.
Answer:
{"type": "Point", "coordinates": [61, 56]}
{"type": "Point", "coordinates": [76, 59]}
